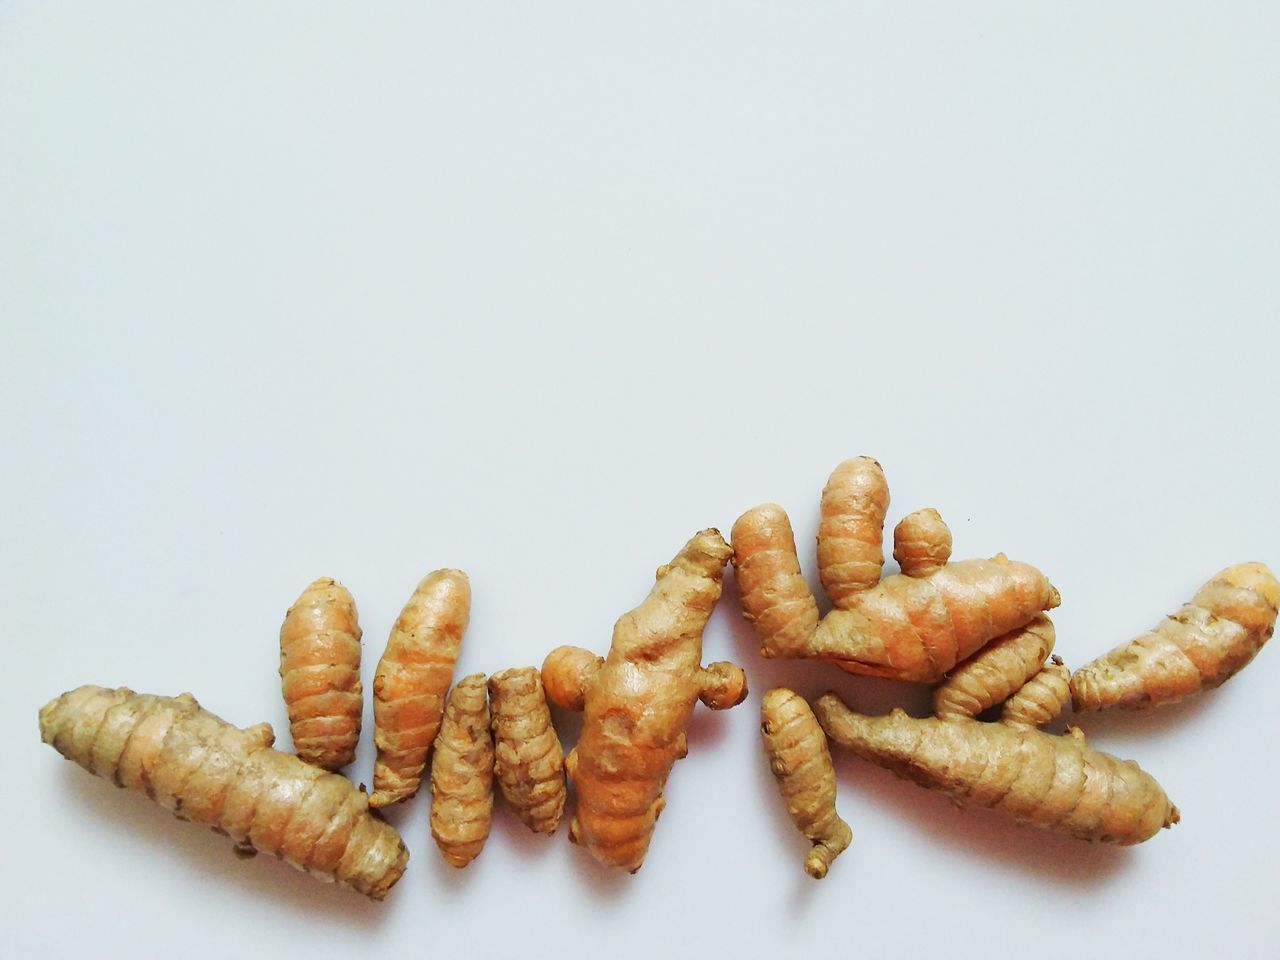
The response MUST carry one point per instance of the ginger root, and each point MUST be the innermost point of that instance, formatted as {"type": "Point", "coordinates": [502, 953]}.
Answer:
{"type": "Point", "coordinates": [911, 626]}
{"type": "Point", "coordinates": [320, 674]}
{"type": "Point", "coordinates": [1041, 699]}
{"type": "Point", "coordinates": [205, 770]}
{"type": "Point", "coordinates": [412, 680]}
{"type": "Point", "coordinates": [528, 761]}
{"type": "Point", "coordinates": [799, 758]}
{"type": "Point", "coordinates": [1200, 647]}
{"type": "Point", "coordinates": [1056, 783]}
{"type": "Point", "coordinates": [995, 672]}
{"type": "Point", "coordinates": [638, 701]}
{"type": "Point", "coordinates": [462, 774]}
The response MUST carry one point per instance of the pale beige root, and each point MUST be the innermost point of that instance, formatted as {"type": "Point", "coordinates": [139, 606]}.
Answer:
{"type": "Point", "coordinates": [1056, 783]}
{"type": "Point", "coordinates": [566, 674]}
{"type": "Point", "coordinates": [776, 599]}
{"type": "Point", "coordinates": [638, 704]}
{"type": "Point", "coordinates": [995, 672]}
{"type": "Point", "coordinates": [850, 533]}
{"type": "Point", "coordinates": [1200, 647]}
{"type": "Point", "coordinates": [320, 674]}
{"type": "Point", "coordinates": [412, 680]}
{"type": "Point", "coordinates": [208, 771]}
{"type": "Point", "coordinates": [528, 761]}
{"type": "Point", "coordinates": [921, 542]}
{"type": "Point", "coordinates": [462, 774]}
{"type": "Point", "coordinates": [1041, 699]}
{"type": "Point", "coordinates": [798, 756]}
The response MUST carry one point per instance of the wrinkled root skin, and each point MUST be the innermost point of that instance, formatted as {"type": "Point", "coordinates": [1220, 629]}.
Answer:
{"type": "Point", "coordinates": [1055, 783]}
{"type": "Point", "coordinates": [208, 771]}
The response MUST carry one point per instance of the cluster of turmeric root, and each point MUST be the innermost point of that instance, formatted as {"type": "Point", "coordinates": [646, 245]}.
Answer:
{"type": "Point", "coordinates": [976, 628]}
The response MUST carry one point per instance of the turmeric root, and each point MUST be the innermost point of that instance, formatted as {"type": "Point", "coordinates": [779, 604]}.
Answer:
{"type": "Point", "coordinates": [921, 543]}
{"type": "Point", "coordinates": [528, 762]}
{"type": "Point", "coordinates": [638, 702]}
{"type": "Point", "coordinates": [798, 757]}
{"type": "Point", "coordinates": [462, 774]}
{"type": "Point", "coordinates": [320, 674]}
{"type": "Point", "coordinates": [996, 671]}
{"type": "Point", "coordinates": [911, 626]}
{"type": "Point", "coordinates": [854, 503]}
{"type": "Point", "coordinates": [1056, 783]}
{"type": "Point", "coordinates": [412, 679]}
{"type": "Point", "coordinates": [205, 770]}
{"type": "Point", "coordinates": [1200, 647]}
{"type": "Point", "coordinates": [1041, 699]}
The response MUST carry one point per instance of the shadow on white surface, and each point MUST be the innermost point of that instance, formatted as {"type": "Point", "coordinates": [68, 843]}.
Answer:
{"type": "Point", "coordinates": [207, 857]}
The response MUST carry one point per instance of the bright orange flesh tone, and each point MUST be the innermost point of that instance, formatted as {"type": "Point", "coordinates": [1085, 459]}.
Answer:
{"type": "Point", "coordinates": [320, 674]}
{"type": "Point", "coordinates": [205, 770]}
{"type": "Point", "coordinates": [412, 680]}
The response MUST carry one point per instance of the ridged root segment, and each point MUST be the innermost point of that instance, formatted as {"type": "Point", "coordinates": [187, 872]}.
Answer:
{"type": "Point", "coordinates": [798, 756]}
{"type": "Point", "coordinates": [528, 762]}
{"type": "Point", "coordinates": [1055, 783]}
{"type": "Point", "coordinates": [566, 674]}
{"type": "Point", "coordinates": [1041, 699]}
{"type": "Point", "coordinates": [320, 674]}
{"type": "Point", "coordinates": [1198, 648]}
{"type": "Point", "coordinates": [996, 671]}
{"type": "Point", "coordinates": [462, 774]}
{"type": "Point", "coordinates": [208, 771]}
{"type": "Point", "coordinates": [776, 599]}
{"type": "Point", "coordinates": [412, 680]}
{"type": "Point", "coordinates": [851, 530]}
{"type": "Point", "coordinates": [638, 705]}
{"type": "Point", "coordinates": [918, 628]}
{"type": "Point", "coordinates": [921, 542]}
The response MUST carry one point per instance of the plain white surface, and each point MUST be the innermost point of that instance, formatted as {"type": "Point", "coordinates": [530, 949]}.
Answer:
{"type": "Point", "coordinates": [540, 289]}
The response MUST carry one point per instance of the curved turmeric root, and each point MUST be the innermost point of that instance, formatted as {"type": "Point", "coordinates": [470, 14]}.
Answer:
{"type": "Point", "coordinates": [1200, 647]}
{"type": "Point", "coordinates": [528, 761]}
{"type": "Point", "coordinates": [320, 674]}
{"type": "Point", "coordinates": [906, 627]}
{"type": "Point", "coordinates": [1041, 699]}
{"type": "Point", "coordinates": [205, 770]}
{"type": "Point", "coordinates": [995, 672]}
{"type": "Point", "coordinates": [412, 680]}
{"type": "Point", "coordinates": [462, 774]}
{"type": "Point", "coordinates": [798, 757]}
{"type": "Point", "coordinates": [1056, 783]}
{"type": "Point", "coordinates": [638, 702]}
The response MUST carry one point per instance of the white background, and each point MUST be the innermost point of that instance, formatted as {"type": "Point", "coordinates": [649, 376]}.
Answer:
{"type": "Point", "coordinates": [540, 289]}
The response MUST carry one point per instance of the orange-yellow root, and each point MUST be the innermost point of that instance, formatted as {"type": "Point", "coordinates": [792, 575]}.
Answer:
{"type": "Point", "coordinates": [1056, 783]}
{"type": "Point", "coordinates": [1041, 699]}
{"type": "Point", "coordinates": [798, 757]}
{"type": "Point", "coordinates": [1200, 647]}
{"type": "Point", "coordinates": [205, 770]}
{"type": "Point", "coordinates": [320, 674]}
{"type": "Point", "coordinates": [412, 680]}
{"type": "Point", "coordinates": [854, 503]}
{"type": "Point", "coordinates": [528, 761]}
{"type": "Point", "coordinates": [912, 626]}
{"type": "Point", "coordinates": [638, 703]}
{"type": "Point", "coordinates": [776, 599]}
{"type": "Point", "coordinates": [921, 543]}
{"type": "Point", "coordinates": [462, 774]}
{"type": "Point", "coordinates": [996, 671]}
